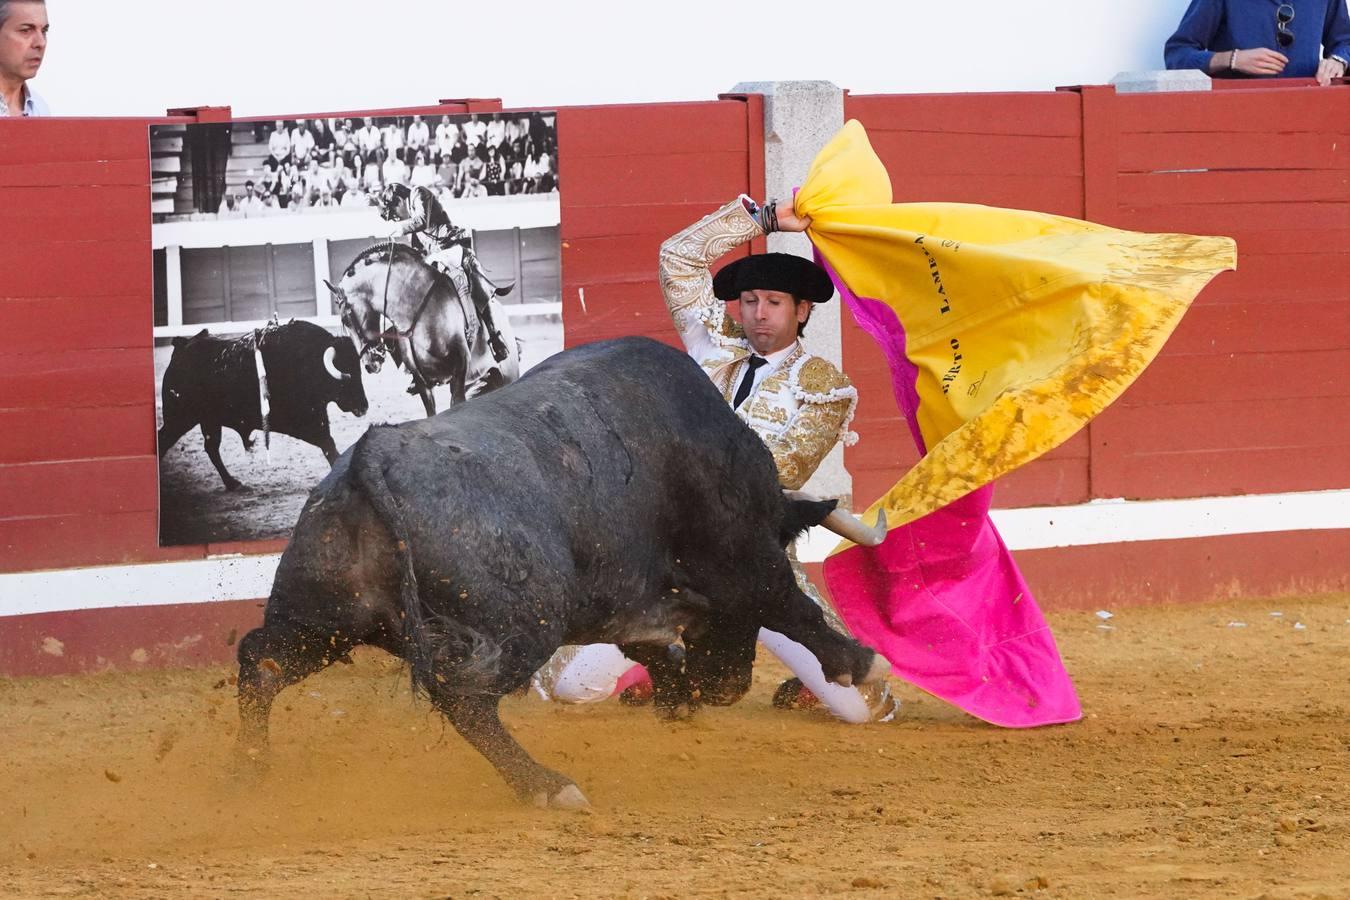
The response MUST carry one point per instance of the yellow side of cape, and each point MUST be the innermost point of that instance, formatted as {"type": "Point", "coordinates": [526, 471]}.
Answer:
{"type": "Point", "coordinates": [1023, 325]}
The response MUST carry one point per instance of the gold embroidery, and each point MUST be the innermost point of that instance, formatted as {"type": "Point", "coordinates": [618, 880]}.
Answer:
{"type": "Point", "coordinates": [720, 373]}
{"type": "Point", "coordinates": [819, 376]}
{"type": "Point", "coordinates": [685, 276]}
{"type": "Point", "coordinates": [810, 434]}
{"type": "Point", "coordinates": [731, 328]}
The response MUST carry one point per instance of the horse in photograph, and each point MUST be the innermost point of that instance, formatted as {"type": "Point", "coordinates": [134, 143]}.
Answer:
{"type": "Point", "coordinates": [279, 378]}
{"type": "Point", "coordinates": [392, 302]}
{"type": "Point", "coordinates": [610, 495]}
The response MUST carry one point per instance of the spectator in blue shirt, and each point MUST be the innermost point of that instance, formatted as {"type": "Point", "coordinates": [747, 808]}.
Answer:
{"type": "Point", "coordinates": [1239, 38]}
{"type": "Point", "coordinates": [23, 43]}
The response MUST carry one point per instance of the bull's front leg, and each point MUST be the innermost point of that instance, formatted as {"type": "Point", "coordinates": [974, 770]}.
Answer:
{"type": "Point", "coordinates": [325, 443]}
{"type": "Point", "coordinates": [842, 659]}
{"type": "Point", "coordinates": [475, 718]}
{"type": "Point", "coordinates": [673, 696]}
{"type": "Point", "coordinates": [320, 436]}
{"type": "Point", "coordinates": [211, 441]}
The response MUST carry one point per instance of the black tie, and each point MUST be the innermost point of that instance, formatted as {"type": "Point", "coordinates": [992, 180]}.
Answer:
{"type": "Point", "coordinates": [751, 364]}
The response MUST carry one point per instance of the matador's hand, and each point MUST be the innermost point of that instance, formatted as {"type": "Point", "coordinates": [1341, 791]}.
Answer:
{"type": "Point", "coordinates": [788, 220]}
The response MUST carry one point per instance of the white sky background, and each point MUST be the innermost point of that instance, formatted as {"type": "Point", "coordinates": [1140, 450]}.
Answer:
{"type": "Point", "coordinates": [262, 57]}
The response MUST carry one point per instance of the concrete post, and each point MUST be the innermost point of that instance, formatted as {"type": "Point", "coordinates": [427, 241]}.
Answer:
{"type": "Point", "coordinates": [1160, 80]}
{"type": "Point", "coordinates": [799, 118]}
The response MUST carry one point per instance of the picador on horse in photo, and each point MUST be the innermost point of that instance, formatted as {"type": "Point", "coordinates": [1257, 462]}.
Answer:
{"type": "Point", "coordinates": [448, 248]}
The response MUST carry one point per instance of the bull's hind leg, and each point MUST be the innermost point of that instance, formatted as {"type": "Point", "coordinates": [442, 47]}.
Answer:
{"type": "Point", "coordinates": [270, 659]}
{"type": "Point", "coordinates": [475, 718]}
{"type": "Point", "coordinates": [171, 432]}
{"type": "Point", "coordinates": [211, 438]}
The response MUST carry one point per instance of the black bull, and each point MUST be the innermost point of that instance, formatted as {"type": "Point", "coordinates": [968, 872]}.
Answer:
{"type": "Point", "coordinates": [610, 495]}
{"type": "Point", "coordinates": [213, 382]}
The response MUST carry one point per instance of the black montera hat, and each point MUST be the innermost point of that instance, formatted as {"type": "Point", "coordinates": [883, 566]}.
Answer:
{"type": "Point", "coordinates": [784, 272]}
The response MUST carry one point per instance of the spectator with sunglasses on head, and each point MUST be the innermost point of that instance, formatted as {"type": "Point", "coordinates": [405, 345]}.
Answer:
{"type": "Point", "coordinates": [1239, 39]}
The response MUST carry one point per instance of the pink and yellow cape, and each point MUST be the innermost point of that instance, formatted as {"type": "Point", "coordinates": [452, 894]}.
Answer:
{"type": "Point", "coordinates": [1005, 331]}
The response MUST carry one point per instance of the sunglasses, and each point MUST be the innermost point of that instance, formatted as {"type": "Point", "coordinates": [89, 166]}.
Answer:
{"type": "Point", "coordinates": [1283, 16]}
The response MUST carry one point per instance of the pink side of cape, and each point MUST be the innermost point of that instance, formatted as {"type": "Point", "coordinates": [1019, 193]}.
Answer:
{"type": "Point", "coordinates": [941, 597]}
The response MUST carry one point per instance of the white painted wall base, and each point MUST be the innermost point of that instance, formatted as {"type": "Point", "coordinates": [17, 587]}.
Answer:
{"type": "Point", "coordinates": [1120, 521]}
{"type": "Point", "coordinates": [1098, 522]}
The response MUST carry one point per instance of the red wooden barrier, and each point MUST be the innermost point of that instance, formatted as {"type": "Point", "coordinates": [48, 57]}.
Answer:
{"type": "Point", "coordinates": [1241, 400]}
{"type": "Point", "coordinates": [77, 419]}
{"type": "Point", "coordinates": [1244, 398]}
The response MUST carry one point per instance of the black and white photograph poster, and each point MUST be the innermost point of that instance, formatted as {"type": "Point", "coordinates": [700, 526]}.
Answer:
{"type": "Point", "coordinates": [316, 276]}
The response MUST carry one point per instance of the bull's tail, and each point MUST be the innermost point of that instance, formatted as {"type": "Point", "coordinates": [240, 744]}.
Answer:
{"type": "Point", "coordinates": [444, 655]}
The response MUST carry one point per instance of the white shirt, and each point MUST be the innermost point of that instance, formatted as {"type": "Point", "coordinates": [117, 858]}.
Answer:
{"type": "Point", "coordinates": [772, 362]}
{"type": "Point", "coordinates": [445, 137]}
{"type": "Point", "coordinates": [394, 171]}
{"type": "Point", "coordinates": [368, 139]}
{"type": "Point", "coordinates": [33, 105]}
{"type": "Point", "coordinates": [279, 145]}
{"type": "Point", "coordinates": [423, 176]}
{"type": "Point", "coordinates": [301, 142]}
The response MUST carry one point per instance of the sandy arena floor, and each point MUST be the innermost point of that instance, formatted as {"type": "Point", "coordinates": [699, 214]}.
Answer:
{"type": "Point", "coordinates": [1213, 761]}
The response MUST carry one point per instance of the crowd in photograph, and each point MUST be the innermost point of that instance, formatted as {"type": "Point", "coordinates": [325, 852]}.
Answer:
{"type": "Point", "coordinates": [346, 162]}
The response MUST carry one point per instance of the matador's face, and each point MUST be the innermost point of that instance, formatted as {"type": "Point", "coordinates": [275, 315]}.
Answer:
{"type": "Point", "coordinates": [770, 319]}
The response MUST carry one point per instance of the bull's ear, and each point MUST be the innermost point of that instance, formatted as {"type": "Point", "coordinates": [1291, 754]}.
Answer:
{"type": "Point", "coordinates": [804, 514]}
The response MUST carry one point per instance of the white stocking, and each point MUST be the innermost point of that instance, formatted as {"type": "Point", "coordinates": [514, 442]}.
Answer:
{"type": "Point", "coordinates": [591, 674]}
{"type": "Point", "coordinates": [845, 703]}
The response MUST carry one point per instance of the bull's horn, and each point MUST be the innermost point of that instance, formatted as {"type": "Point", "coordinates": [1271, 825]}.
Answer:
{"type": "Point", "coordinates": [329, 356]}
{"type": "Point", "coordinates": [849, 526]}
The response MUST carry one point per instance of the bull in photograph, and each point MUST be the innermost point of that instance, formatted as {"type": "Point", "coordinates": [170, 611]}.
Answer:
{"type": "Point", "coordinates": [609, 495]}
{"type": "Point", "coordinates": [280, 378]}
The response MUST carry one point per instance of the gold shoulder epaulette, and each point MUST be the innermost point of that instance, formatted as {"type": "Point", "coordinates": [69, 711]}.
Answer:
{"type": "Point", "coordinates": [820, 377]}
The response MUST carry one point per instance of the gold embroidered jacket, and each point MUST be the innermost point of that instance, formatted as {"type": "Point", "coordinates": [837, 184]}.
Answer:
{"type": "Point", "coordinates": [800, 409]}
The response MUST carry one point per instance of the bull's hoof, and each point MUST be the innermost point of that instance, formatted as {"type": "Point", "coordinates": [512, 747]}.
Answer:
{"type": "Point", "coordinates": [878, 671]}
{"type": "Point", "coordinates": [233, 485]}
{"type": "Point", "coordinates": [249, 764]}
{"type": "Point", "coordinates": [569, 797]}
{"type": "Point", "coordinates": [680, 712]}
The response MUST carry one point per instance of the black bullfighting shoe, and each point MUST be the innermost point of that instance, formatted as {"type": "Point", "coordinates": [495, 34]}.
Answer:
{"type": "Point", "coordinates": [792, 694]}
{"type": "Point", "coordinates": [639, 694]}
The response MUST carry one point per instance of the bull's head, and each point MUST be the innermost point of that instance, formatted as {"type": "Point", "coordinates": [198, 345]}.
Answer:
{"type": "Point", "coordinates": [343, 366]}
{"type": "Point", "coordinates": [805, 511]}
{"type": "Point", "coordinates": [719, 657]}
